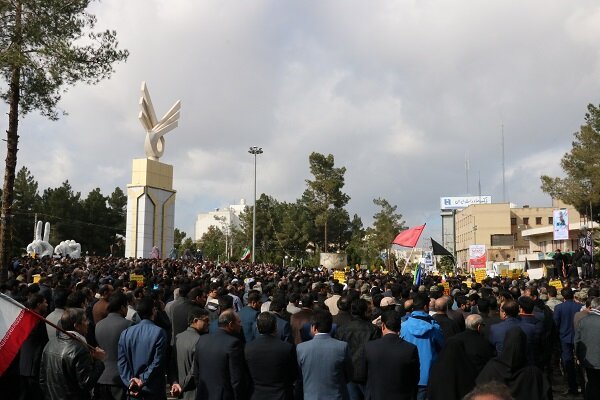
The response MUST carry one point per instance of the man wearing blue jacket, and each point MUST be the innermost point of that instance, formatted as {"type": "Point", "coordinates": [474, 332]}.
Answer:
{"type": "Point", "coordinates": [421, 330]}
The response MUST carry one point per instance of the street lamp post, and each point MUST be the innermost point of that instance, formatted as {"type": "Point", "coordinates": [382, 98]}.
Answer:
{"type": "Point", "coordinates": [256, 151]}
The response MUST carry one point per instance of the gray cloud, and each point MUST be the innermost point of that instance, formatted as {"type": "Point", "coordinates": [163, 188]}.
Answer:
{"type": "Point", "coordinates": [398, 91]}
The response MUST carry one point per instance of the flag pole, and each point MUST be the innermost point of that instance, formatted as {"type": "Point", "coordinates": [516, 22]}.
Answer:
{"type": "Point", "coordinates": [413, 249]}
{"type": "Point", "coordinates": [38, 316]}
{"type": "Point", "coordinates": [408, 258]}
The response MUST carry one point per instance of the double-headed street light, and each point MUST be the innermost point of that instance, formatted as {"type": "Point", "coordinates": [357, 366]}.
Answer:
{"type": "Point", "coordinates": [256, 151]}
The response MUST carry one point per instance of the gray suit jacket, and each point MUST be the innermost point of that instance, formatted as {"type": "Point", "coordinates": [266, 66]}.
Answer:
{"type": "Point", "coordinates": [185, 349]}
{"type": "Point", "coordinates": [53, 317]}
{"type": "Point", "coordinates": [108, 331]}
{"type": "Point", "coordinates": [587, 346]}
{"type": "Point", "coordinates": [326, 367]}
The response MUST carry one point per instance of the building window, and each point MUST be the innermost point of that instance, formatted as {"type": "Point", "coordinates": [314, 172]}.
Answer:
{"type": "Point", "coordinates": [538, 220]}
{"type": "Point", "coordinates": [526, 220]}
{"type": "Point", "coordinates": [502, 240]}
{"type": "Point", "coordinates": [513, 221]}
{"type": "Point", "coordinates": [550, 220]}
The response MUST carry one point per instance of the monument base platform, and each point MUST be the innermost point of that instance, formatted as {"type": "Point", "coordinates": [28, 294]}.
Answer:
{"type": "Point", "coordinates": [150, 209]}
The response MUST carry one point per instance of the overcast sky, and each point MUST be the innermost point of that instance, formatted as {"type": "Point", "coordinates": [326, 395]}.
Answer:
{"type": "Point", "coordinates": [400, 92]}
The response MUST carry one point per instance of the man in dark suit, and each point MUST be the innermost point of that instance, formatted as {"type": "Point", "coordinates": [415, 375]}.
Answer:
{"type": "Point", "coordinates": [449, 326]}
{"type": "Point", "coordinates": [219, 367]}
{"type": "Point", "coordinates": [478, 349]}
{"type": "Point", "coordinates": [185, 354]}
{"type": "Point", "coordinates": [343, 316]}
{"type": "Point", "coordinates": [181, 310]}
{"type": "Point", "coordinates": [271, 362]}
{"type": "Point", "coordinates": [392, 363]}
{"type": "Point", "coordinates": [357, 333]}
{"type": "Point", "coordinates": [324, 361]}
{"type": "Point", "coordinates": [488, 310]}
{"type": "Point", "coordinates": [564, 314]}
{"type": "Point", "coordinates": [108, 331]}
{"type": "Point", "coordinates": [300, 318]}
{"type": "Point", "coordinates": [249, 313]}
{"type": "Point", "coordinates": [455, 315]}
{"type": "Point", "coordinates": [284, 330]}
{"type": "Point", "coordinates": [509, 312]}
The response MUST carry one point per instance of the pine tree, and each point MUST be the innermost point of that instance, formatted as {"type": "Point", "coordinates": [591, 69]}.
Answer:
{"type": "Point", "coordinates": [47, 45]}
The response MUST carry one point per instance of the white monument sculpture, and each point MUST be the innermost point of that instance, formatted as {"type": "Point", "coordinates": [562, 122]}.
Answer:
{"type": "Point", "coordinates": [150, 196]}
{"type": "Point", "coordinates": [68, 248]}
{"type": "Point", "coordinates": [40, 247]}
{"type": "Point", "coordinates": [154, 145]}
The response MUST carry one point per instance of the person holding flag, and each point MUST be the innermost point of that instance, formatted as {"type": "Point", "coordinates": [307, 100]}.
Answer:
{"type": "Point", "coordinates": [409, 238]}
{"type": "Point", "coordinates": [69, 370]}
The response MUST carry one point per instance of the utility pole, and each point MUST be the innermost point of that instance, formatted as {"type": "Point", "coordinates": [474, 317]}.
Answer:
{"type": "Point", "coordinates": [255, 151]}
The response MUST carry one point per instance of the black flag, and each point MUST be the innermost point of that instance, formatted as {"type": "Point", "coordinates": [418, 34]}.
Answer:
{"type": "Point", "coordinates": [439, 250]}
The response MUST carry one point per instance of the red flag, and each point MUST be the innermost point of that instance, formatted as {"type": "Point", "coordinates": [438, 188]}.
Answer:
{"type": "Point", "coordinates": [16, 323]}
{"type": "Point", "coordinates": [409, 237]}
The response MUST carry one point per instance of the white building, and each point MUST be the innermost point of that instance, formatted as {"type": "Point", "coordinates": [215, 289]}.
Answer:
{"type": "Point", "coordinates": [223, 218]}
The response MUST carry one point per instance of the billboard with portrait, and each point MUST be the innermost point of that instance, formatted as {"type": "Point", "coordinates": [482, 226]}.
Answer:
{"type": "Point", "coordinates": [560, 220]}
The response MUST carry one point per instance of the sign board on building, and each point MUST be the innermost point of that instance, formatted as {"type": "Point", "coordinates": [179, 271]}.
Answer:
{"type": "Point", "coordinates": [456, 203]}
{"type": "Point", "coordinates": [477, 256]}
{"type": "Point", "coordinates": [560, 220]}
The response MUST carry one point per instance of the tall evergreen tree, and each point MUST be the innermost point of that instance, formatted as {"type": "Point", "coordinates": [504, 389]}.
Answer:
{"type": "Point", "coordinates": [324, 192]}
{"type": "Point", "coordinates": [26, 203]}
{"type": "Point", "coordinates": [117, 207]}
{"type": "Point", "coordinates": [47, 45]}
{"type": "Point", "coordinates": [96, 234]}
{"type": "Point", "coordinates": [356, 249]}
{"type": "Point", "coordinates": [62, 208]}
{"type": "Point", "coordinates": [178, 238]}
{"type": "Point", "coordinates": [386, 225]}
{"type": "Point", "coordinates": [212, 244]}
{"type": "Point", "coordinates": [581, 185]}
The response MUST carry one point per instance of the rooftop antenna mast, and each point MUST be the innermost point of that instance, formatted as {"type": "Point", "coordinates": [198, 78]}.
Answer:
{"type": "Point", "coordinates": [503, 170]}
{"type": "Point", "coordinates": [467, 170]}
{"type": "Point", "coordinates": [479, 184]}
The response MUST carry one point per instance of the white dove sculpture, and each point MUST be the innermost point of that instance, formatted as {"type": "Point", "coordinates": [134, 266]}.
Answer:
{"type": "Point", "coordinates": [154, 145]}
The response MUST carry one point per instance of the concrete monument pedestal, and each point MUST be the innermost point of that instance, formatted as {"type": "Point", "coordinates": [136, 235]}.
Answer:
{"type": "Point", "coordinates": [150, 209]}
{"type": "Point", "coordinates": [333, 261]}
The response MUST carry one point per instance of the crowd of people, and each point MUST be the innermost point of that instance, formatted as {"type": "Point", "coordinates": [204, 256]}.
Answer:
{"type": "Point", "coordinates": [199, 330]}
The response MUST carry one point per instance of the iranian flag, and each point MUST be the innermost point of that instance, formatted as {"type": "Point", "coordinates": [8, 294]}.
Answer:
{"type": "Point", "coordinates": [246, 255]}
{"type": "Point", "coordinates": [16, 323]}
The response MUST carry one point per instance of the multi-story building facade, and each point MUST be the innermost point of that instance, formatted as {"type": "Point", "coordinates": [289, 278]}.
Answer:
{"type": "Point", "coordinates": [224, 218]}
{"type": "Point", "coordinates": [507, 230]}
